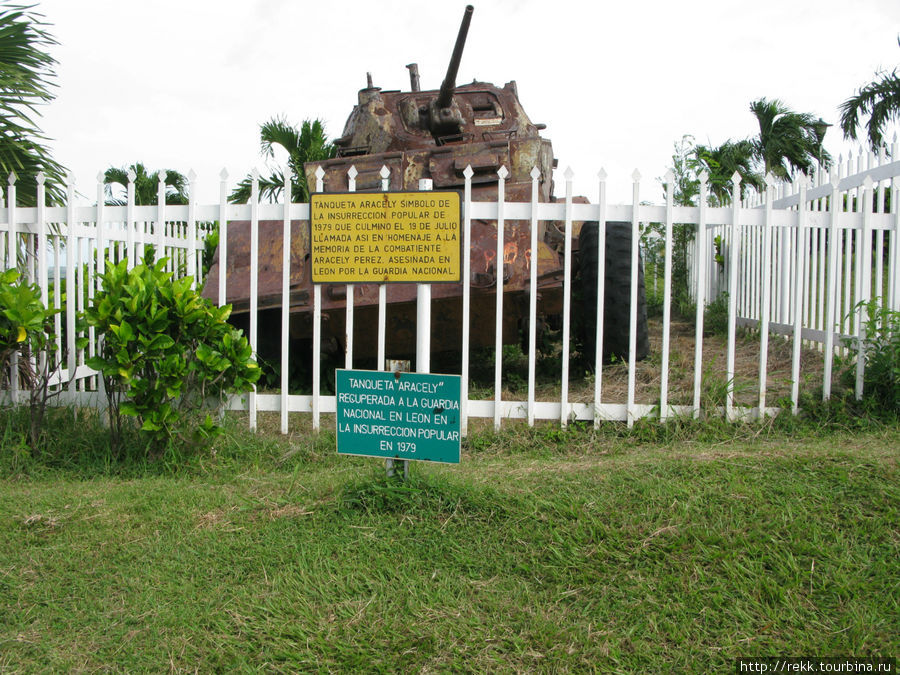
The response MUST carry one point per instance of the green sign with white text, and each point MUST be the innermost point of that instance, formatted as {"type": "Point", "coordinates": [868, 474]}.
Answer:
{"type": "Point", "coordinates": [398, 415]}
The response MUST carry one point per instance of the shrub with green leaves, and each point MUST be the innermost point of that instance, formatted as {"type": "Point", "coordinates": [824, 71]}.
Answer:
{"type": "Point", "coordinates": [26, 331]}
{"type": "Point", "coordinates": [22, 321]}
{"type": "Point", "coordinates": [168, 356]}
{"type": "Point", "coordinates": [881, 349]}
{"type": "Point", "coordinates": [715, 316]}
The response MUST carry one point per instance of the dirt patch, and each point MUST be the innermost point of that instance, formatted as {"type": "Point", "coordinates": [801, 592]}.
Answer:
{"type": "Point", "coordinates": [230, 519]}
{"type": "Point", "coordinates": [713, 382]}
{"type": "Point", "coordinates": [219, 518]}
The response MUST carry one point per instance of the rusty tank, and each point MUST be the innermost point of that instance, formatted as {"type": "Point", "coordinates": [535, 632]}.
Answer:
{"type": "Point", "coordinates": [436, 134]}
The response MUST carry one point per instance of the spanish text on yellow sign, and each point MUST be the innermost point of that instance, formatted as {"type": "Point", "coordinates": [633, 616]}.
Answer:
{"type": "Point", "coordinates": [385, 237]}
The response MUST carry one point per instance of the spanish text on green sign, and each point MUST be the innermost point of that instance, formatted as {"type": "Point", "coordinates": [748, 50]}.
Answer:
{"type": "Point", "coordinates": [398, 415]}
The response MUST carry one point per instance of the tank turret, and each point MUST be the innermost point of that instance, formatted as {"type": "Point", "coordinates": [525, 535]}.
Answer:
{"type": "Point", "coordinates": [437, 133]}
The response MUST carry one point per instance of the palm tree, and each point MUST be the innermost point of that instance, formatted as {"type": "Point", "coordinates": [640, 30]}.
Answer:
{"type": "Point", "coordinates": [880, 100]}
{"type": "Point", "coordinates": [26, 72]}
{"type": "Point", "coordinates": [146, 186]}
{"type": "Point", "coordinates": [788, 141]}
{"type": "Point", "coordinates": [722, 161]}
{"type": "Point", "coordinates": [309, 144]}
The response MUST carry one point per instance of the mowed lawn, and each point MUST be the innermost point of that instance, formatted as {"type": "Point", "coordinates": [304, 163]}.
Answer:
{"type": "Point", "coordinates": [541, 551]}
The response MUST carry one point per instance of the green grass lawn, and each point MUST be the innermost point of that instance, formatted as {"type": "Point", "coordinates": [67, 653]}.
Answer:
{"type": "Point", "coordinates": [543, 550]}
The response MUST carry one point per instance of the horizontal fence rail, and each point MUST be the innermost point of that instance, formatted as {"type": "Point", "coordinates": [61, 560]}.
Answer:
{"type": "Point", "coordinates": [797, 261]}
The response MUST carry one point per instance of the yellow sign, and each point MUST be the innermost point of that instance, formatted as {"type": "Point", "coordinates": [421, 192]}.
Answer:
{"type": "Point", "coordinates": [385, 237]}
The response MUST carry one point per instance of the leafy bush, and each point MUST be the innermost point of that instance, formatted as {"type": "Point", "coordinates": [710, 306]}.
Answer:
{"type": "Point", "coordinates": [22, 319]}
{"type": "Point", "coordinates": [881, 350]}
{"type": "Point", "coordinates": [26, 332]}
{"type": "Point", "coordinates": [715, 317]}
{"type": "Point", "coordinates": [168, 355]}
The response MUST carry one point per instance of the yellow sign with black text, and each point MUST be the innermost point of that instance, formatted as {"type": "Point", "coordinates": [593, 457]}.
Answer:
{"type": "Point", "coordinates": [385, 237]}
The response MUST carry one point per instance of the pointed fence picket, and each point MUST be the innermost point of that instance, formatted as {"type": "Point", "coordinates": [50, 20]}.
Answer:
{"type": "Point", "coordinates": [798, 261]}
{"type": "Point", "coordinates": [664, 410]}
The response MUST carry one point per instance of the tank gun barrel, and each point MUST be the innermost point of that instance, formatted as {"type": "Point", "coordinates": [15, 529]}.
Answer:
{"type": "Point", "coordinates": [449, 85]}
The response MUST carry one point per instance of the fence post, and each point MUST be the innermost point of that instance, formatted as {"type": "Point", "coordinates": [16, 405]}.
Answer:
{"type": "Point", "coordinates": [352, 173]}
{"type": "Point", "coordinates": [879, 195]}
{"type": "Point", "coordinates": [4, 242]}
{"type": "Point", "coordinates": [822, 289]}
{"type": "Point", "coordinates": [468, 172]}
{"type": "Point", "coordinates": [894, 246]}
{"type": "Point", "coordinates": [423, 313]}
{"type": "Point", "coordinates": [532, 294]}
{"type": "Point", "coordinates": [285, 298]}
{"type": "Point", "coordinates": [784, 276]}
{"type": "Point", "coordinates": [864, 294]}
{"type": "Point", "coordinates": [845, 292]}
{"type": "Point", "coordinates": [71, 289]}
{"type": "Point", "coordinates": [57, 292]}
{"type": "Point", "coordinates": [12, 244]}
{"type": "Point", "coordinates": [130, 224]}
{"type": "Point", "coordinates": [633, 297]}
{"type": "Point", "coordinates": [765, 308]}
{"type": "Point", "coordinates": [667, 300]}
{"type": "Point", "coordinates": [567, 302]}
{"type": "Point", "coordinates": [799, 292]}
{"type": "Point", "coordinates": [385, 174]}
{"type": "Point", "coordinates": [254, 283]}
{"type": "Point", "coordinates": [82, 281]}
{"type": "Point", "coordinates": [732, 291]}
{"type": "Point", "coordinates": [601, 293]}
{"type": "Point", "coordinates": [317, 328]}
{"type": "Point", "coordinates": [502, 173]}
{"type": "Point", "coordinates": [391, 465]}
{"type": "Point", "coordinates": [12, 248]}
{"type": "Point", "coordinates": [832, 300]}
{"type": "Point", "coordinates": [223, 234]}
{"type": "Point", "coordinates": [161, 216]}
{"type": "Point", "coordinates": [41, 253]}
{"type": "Point", "coordinates": [101, 270]}
{"type": "Point", "coordinates": [701, 275]}
{"type": "Point", "coordinates": [192, 269]}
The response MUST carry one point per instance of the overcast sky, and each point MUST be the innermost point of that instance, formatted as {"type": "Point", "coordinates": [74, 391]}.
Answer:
{"type": "Point", "coordinates": [185, 85]}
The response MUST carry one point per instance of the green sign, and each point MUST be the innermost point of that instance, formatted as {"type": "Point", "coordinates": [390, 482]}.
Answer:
{"type": "Point", "coordinates": [398, 415]}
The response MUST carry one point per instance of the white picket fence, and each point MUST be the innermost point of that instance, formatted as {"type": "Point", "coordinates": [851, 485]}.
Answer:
{"type": "Point", "coordinates": [782, 272]}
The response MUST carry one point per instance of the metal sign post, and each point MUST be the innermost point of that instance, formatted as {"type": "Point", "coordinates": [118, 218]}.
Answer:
{"type": "Point", "coordinates": [391, 465]}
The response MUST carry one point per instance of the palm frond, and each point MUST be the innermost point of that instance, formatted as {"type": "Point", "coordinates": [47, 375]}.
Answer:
{"type": "Point", "coordinates": [722, 162]}
{"type": "Point", "coordinates": [308, 144]}
{"type": "Point", "coordinates": [26, 80]}
{"type": "Point", "coordinates": [788, 141]}
{"type": "Point", "coordinates": [880, 100]}
{"type": "Point", "coordinates": [271, 188]}
{"type": "Point", "coordinates": [277, 131]}
{"type": "Point", "coordinates": [146, 185]}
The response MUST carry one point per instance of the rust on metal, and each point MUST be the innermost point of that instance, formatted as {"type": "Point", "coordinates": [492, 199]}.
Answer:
{"type": "Point", "coordinates": [416, 134]}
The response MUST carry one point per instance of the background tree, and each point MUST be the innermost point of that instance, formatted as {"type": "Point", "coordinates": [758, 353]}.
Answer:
{"type": "Point", "coordinates": [146, 186]}
{"type": "Point", "coordinates": [26, 74]}
{"type": "Point", "coordinates": [880, 100]}
{"type": "Point", "coordinates": [788, 141]}
{"type": "Point", "coordinates": [720, 162]}
{"type": "Point", "coordinates": [308, 144]}
{"type": "Point", "coordinates": [685, 169]}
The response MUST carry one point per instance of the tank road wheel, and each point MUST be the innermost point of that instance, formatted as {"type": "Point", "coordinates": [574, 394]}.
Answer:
{"type": "Point", "coordinates": [617, 293]}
